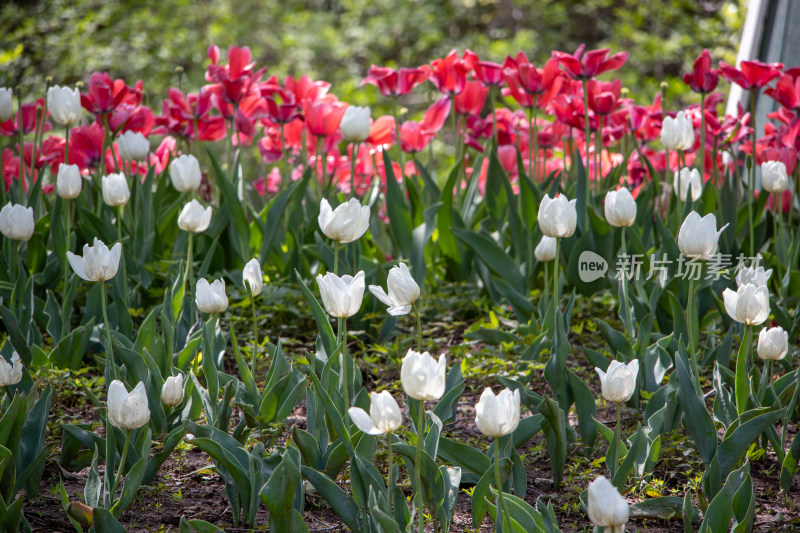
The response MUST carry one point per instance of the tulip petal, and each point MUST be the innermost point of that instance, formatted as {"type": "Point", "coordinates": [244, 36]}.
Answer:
{"type": "Point", "coordinates": [76, 262]}
{"type": "Point", "coordinates": [362, 421]}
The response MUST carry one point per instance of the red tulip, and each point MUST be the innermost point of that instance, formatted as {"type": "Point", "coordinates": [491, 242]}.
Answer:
{"type": "Point", "coordinates": [104, 94]}
{"type": "Point", "coordinates": [414, 137]}
{"type": "Point", "coordinates": [525, 80]}
{"type": "Point", "coordinates": [470, 101]}
{"type": "Point", "coordinates": [750, 74]}
{"type": "Point", "coordinates": [392, 82]}
{"type": "Point", "coordinates": [30, 118]}
{"type": "Point", "coordinates": [381, 132]}
{"type": "Point", "coordinates": [786, 92]}
{"type": "Point", "coordinates": [305, 89]}
{"type": "Point", "coordinates": [702, 79]}
{"type": "Point", "coordinates": [324, 116]}
{"type": "Point", "coordinates": [489, 74]}
{"type": "Point", "coordinates": [603, 96]}
{"type": "Point", "coordinates": [237, 77]}
{"type": "Point", "coordinates": [582, 66]}
{"type": "Point", "coordinates": [449, 74]}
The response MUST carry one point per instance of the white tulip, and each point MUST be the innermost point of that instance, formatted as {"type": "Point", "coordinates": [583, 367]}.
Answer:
{"type": "Point", "coordinates": [773, 343]}
{"type": "Point", "coordinates": [747, 305]}
{"type": "Point", "coordinates": [355, 124]}
{"type": "Point", "coordinates": [607, 508]}
{"type": "Point", "coordinates": [194, 218]}
{"type": "Point", "coordinates": [497, 416]}
{"type": "Point", "coordinates": [347, 223]}
{"type": "Point", "coordinates": [755, 276]}
{"type": "Point", "coordinates": [69, 181]}
{"type": "Point", "coordinates": [115, 190]}
{"type": "Point", "coordinates": [252, 275]}
{"type": "Point", "coordinates": [423, 378]}
{"type": "Point", "coordinates": [546, 249]}
{"type": "Point", "coordinates": [16, 222]}
{"type": "Point", "coordinates": [172, 391]}
{"type": "Point", "coordinates": [6, 104]}
{"type": "Point", "coordinates": [64, 105]}
{"type": "Point", "coordinates": [210, 297]}
{"type": "Point", "coordinates": [677, 133]}
{"type": "Point", "coordinates": [133, 146]}
{"type": "Point", "coordinates": [557, 216]}
{"type": "Point", "coordinates": [618, 382]}
{"type": "Point", "coordinates": [685, 179]}
{"type": "Point", "coordinates": [403, 291]}
{"type": "Point", "coordinates": [127, 410]}
{"type": "Point", "coordinates": [620, 208]}
{"type": "Point", "coordinates": [698, 236]}
{"type": "Point", "coordinates": [98, 262]}
{"type": "Point", "coordinates": [341, 296]}
{"type": "Point", "coordinates": [384, 415]}
{"type": "Point", "coordinates": [774, 177]}
{"type": "Point", "coordinates": [10, 374]}
{"type": "Point", "coordinates": [185, 173]}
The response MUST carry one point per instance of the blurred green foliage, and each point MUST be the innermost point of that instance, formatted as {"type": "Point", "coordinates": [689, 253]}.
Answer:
{"type": "Point", "coordinates": [337, 40]}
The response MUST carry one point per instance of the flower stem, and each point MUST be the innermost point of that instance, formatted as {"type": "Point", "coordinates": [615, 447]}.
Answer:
{"type": "Point", "coordinates": [67, 223]}
{"type": "Point", "coordinates": [617, 437]}
{"type": "Point", "coordinates": [344, 362]}
{"type": "Point", "coordinates": [21, 149]}
{"type": "Point", "coordinates": [107, 330]}
{"type": "Point", "coordinates": [500, 511]}
{"type": "Point", "coordinates": [397, 133]}
{"type": "Point", "coordinates": [690, 318]}
{"type": "Point", "coordinates": [625, 302]}
{"type": "Point", "coordinates": [121, 464]}
{"type": "Point", "coordinates": [418, 466]}
{"type": "Point", "coordinates": [336, 257]}
{"type": "Point", "coordinates": [701, 166]}
{"type": "Point", "coordinates": [555, 286]}
{"type": "Point", "coordinates": [419, 327]}
{"type": "Point", "coordinates": [389, 480]}
{"type": "Point", "coordinates": [353, 170]}
{"type": "Point", "coordinates": [255, 329]}
{"type": "Point", "coordinates": [752, 175]}
{"type": "Point", "coordinates": [587, 127]}
{"type": "Point", "coordinates": [494, 115]}
{"type": "Point", "coordinates": [187, 274]}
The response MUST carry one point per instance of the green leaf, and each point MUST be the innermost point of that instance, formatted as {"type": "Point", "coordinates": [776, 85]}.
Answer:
{"type": "Point", "coordinates": [555, 431]}
{"type": "Point", "coordinates": [341, 502]}
{"type": "Point", "coordinates": [492, 255]}
{"type": "Point", "coordinates": [698, 421]}
{"type": "Point", "coordinates": [397, 209]}
{"type": "Point", "coordinates": [735, 445]}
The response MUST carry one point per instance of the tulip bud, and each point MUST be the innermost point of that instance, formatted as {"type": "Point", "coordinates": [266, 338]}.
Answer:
{"type": "Point", "coordinates": [185, 173]}
{"type": "Point", "coordinates": [16, 222]}
{"type": "Point", "coordinates": [497, 416]}
{"type": "Point", "coordinates": [355, 124]}
{"type": "Point", "coordinates": [620, 208]}
{"type": "Point", "coordinates": [98, 262]}
{"type": "Point", "coordinates": [252, 275]}
{"type": "Point", "coordinates": [172, 391]}
{"type": "Point", "coordinates": [127, 410]}
{"type": "Point", "coordinates": [69, 181]}
{"type": "Point", "coordinates": [686, 178]}
{"type": "Point", "coordinates": [677, 133]}
{"type": "Point", "coordinates": [384, 415]}
{"type": "Point", "coordinates": [133, 146]}
{"type": "Point", "coordinates": [747, 305]}
{"type": "Point", "coordinates": [10, 374]}
{"type": "Point", "coordinates": [606, 507]}
{"type": "Point", "coordinates": [347, 223]}
{"type": "Point", "coordinates": [774, 177]}
{"type": "Point", "coordinates": [557, 216]}
{"type": "Point", "coordinates": [211, 298]}
{"type": "Point", "coordinates": [423, 378]}
{"type": "Point", "coordinates": [755, 276]}
{"type": "Point", "coordinates": [194, 218]}
{"type": "Point", "coordinates": [698, 236]}
{"type": "Point", "coordinates": [341, 296]}
{"type": "Point", "coordinates": [403, 291]}
{"type": "Point", "coordinates": [773, 344]}
{"type": "Point", "coordinates": [6, 104]}
{"type": "Point", "coordinates": [115, 190]}
{"type": "Point", "coordinates": [64, 105]}
{"type": "Point", "coordinates": [618, 382]}
{"type": "Point", "coordinates": [545, 250]}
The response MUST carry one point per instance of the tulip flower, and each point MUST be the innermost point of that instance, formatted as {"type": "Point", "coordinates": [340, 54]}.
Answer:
{"type": "Point", "coordinates": [557, 216]}
{"type": "Point", "coordinates": [172, 391]}
{"type": "Point", "coordinates": [64, 105]}
{"type": "Point", "coordinates": [194, 218]}
{"type": "Point", "coordinates": [403, 291]}
{"type": "Point", "coordinates": [749, 304]}
{"type": "Point", "coordinates": [98, 262]}
{"type": "Point", "coordinates": [606, 507]}
{"type": "Point", "coordinates": [127, 410]}
{"type": "Point", "coordinates": [497, 416]}
{"type": "Point", "coordinates": [253, 280]}
{"type": "Point", "coordinates": [185, 173]}
{"type": "Point", "coordinates": [703, 79]}
{"type": "Point", "coordinates": [6, 103]}
{"type": "Point", "coordinates": [384, 415]}
{"type": "Point", "coordinates": [490, 74]}
{"type": "Point", "coordinates": [16, 222]}
{"type": "Point", "coordinates": [698, 236]}
{"type": "Point", "coordinates": [347, 223]}
{"type": "Point", "coordinates": [115, 190]}
{"type": "Point", "coordinates": [685, 179]}
{"type": "Point", "coordinates": [773, 344]}
{"type": "Point", "coordinates": [750, 74]}
{"type": "Point", "coordinates": [355, 124]}
{"type": "Point", "coordinates": [786, 92]}
{"type": "Point", "coordinates": [582, 66]}
{"type": "Point", "coordinates": [620, 208]}
{"type": "Point", "coordinates": [69, 181]}
{"type": "Point", "coordinates": [395, 83]}
{"type": "Point", "coordinates": [133, 146]}
{"type": "Point", "coordinates": [10, 374]}
{"type": "Point", "coordinates": [449, 74]}
{"type": "Point", "coordinates": [774, 177]}
{"type": "Point", "coordinates": [341, 296]}
{"type": "Point", "coordinates": [546, 249]}
{"type": "Point", "coordinates": [423, 378]}
{"type": "Point", "coordinates": [210, 297]}
{"type": "Point", "coordinates": [755, 276]}
{"type": "Point", "coordinates": [618, 382]}
{"type": "Point", "coordinates": [677, 133]}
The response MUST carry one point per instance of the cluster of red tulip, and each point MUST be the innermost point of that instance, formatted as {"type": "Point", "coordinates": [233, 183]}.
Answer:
{"type": "Point", "coordinates": [558, 110]}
